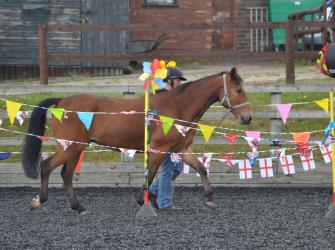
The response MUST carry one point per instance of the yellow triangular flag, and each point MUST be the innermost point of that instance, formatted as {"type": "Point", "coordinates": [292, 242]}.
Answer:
{"type": "Point", "coordinates": [324, 104]}
{"type": "Point", "coordinates": [12, 108]}
{"type": "Point", "coordinates": [57, 112]}
{"type": "Point", "coordinates": [206, 131]}
{"type": "Point", "coordinates": [167, 123]}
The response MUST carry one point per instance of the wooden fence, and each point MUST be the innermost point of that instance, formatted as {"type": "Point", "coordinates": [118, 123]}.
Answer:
{"type": "Point", "coordinates": [290, 54]}
{"type": "Point", "coordinates": [131, 173]}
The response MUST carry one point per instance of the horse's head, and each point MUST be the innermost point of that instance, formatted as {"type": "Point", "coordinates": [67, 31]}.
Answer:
{"type": "Point", "coordinates": [234, 98]}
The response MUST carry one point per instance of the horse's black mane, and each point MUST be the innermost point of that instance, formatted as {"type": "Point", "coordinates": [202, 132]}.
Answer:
{"type": "Point", "coordinates": [183, 86]}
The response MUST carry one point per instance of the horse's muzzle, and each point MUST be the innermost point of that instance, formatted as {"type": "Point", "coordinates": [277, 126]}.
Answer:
{"type": "Point", "coordinates": [245, 119]}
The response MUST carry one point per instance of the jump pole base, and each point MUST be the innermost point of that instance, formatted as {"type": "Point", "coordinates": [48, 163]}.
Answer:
{"type": "Point", "coordinates": [331, 211]}
{"type": "Point", "coordinates": [146, 211]}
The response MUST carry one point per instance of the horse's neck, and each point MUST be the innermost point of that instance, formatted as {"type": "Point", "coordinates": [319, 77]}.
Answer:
{"type": "Point", "coordinates": [197, 98]}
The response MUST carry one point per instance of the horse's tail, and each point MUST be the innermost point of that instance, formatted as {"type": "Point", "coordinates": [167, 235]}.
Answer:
{"type": "Point", "coordinates": [32, 145]}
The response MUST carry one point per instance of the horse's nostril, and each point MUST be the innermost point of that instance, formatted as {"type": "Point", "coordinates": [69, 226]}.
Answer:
{"type": "Point", "coordinates": [246, 119]}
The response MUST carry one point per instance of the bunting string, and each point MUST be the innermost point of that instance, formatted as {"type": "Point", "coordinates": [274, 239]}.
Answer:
{"type": "Point", "coordinates": [71, 111]}
{"type": "Point", "coordinates": [168, 122]}
{"type": "Point", "coordinates": [141, 151]}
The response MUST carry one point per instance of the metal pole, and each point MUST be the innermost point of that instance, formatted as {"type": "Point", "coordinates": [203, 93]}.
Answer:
{"type": "Point", "coordinates": [331, 209]}
{"type": "Point", "coordinates": [146, 143]}
{"type": "Point", "coordinates": [256, 30]}
{"type": "Point", "coordinates": [251, 33]}
{"type": "Point", "coordinates": [331, 104]}
{"type": "Point", "coordinates": [43, 53]}
{"type": "Point", "coordinates": [147, 209]}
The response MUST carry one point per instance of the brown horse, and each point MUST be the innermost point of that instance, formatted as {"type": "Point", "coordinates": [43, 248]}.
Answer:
{"type": "Point", "coordinates": [188, 102]}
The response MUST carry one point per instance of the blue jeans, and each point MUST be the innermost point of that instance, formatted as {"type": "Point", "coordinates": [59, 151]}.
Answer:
{"type": "Point", "coordinates": [162, 186]}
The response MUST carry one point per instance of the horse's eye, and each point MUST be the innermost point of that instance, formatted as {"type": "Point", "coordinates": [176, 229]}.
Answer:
{"type": "Point", "coordinates": [239, 90]}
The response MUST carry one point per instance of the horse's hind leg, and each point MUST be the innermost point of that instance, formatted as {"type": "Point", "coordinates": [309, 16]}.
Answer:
{"type": "Point", "coordinates": [192, 160]}
{"type": "Point", "coordinates": [67, 175]}
{"type": "Point", "coordinates": [47, 166]}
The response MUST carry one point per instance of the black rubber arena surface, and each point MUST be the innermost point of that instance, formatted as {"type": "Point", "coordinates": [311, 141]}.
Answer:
{"type": "Point", "coordinates": [247, 218]}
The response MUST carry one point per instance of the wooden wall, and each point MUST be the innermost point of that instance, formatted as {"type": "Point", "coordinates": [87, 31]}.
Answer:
{"type": "Point", "coordinates": [18, 32]}
{"type": "Point", "coordinates": [187, 12]}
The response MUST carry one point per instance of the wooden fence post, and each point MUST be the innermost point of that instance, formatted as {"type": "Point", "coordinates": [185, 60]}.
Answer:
{"type": "Point", "coordinates": [289, 52]}
{"type": "Point", "coordinates": [275, 125]}
{"type": "Point", "coordinates": [43, 53]}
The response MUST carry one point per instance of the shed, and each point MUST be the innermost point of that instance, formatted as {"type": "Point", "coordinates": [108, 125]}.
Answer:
{"type": "Point", "coordinates": [19, 38]}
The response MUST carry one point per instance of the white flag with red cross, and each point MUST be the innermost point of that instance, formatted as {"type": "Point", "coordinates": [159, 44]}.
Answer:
{"type": "Point", "coordinates": [308, 162]}
{"type": "Point", "coordinates": [265, 166]}
{"type": "Point", "coordinates": [44, 155]}
{"type": "Point", "coordinates": [182, 129]}
{"type": "Point", "coordinates": [245, 169]}
{"type": "Point", "coordinates": [175, 158]}
{"type": "Point", "coordinates": [64, 143]}
{"type": "Point", "coordinates": [205, 159]}
{"type": "Point", "coordinates": [287, 164]}
{"type": "Point", "coordinates": [326, 152]}
{"type": "Point", "coordinates": [228, 159]}
{"type": "Point", "coordinates": [21, 116]}
{"type": "Point", "coordinates": [127, 154]}
{"type": "Point", "coordinates": [186, 168]}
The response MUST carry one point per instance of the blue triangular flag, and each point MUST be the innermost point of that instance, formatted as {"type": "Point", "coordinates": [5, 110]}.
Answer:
{"type": "Point", "coordinates": [5, 155]}
{"type": "Point", "coordinates": [86, 118]}
{"type": "Point", "coordinates": [330, 126]}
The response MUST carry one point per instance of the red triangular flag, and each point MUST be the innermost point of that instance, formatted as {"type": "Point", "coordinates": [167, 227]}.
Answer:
{"type": "Point", "coordinates": [230, 138]}
{"type": "Point", "coordinates": [301, 143]}
{"type": "Point", "coordinates": [42, 138]}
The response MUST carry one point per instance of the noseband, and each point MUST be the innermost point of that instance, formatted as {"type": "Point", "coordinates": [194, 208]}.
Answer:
{"type": "Point", "coordinates": [227, 99]}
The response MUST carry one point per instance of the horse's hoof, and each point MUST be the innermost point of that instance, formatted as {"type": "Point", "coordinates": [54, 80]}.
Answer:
{"type": "Point", "coordinates": [76, 178]}
{"type": "Point", "coordinates": [35, 202]}
{"type": "Point", "coordinates": [211, 204]}
{"type": "Point", "coordinates": [83, 212]}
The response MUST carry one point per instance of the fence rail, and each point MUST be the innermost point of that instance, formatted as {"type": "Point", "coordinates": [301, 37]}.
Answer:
{"type": "Point", "coordinates": [131, 173]}
{"type": "Point", "coordinates": [7, 90]}
{"type": "Point", "coordinates": [291, 29]}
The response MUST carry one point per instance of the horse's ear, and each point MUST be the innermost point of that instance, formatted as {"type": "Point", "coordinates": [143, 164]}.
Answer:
{"type": "Point", "coordinates": [233, 72]}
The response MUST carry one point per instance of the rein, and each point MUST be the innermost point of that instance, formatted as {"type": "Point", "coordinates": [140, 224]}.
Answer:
{"type": "Point", "coordinates": [227, 99]}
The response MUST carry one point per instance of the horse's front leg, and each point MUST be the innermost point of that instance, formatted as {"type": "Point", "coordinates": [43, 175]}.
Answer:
{"type": "Point", "coordinates": [155, 162]}
{"type": "Point", "coordinates": [193, 161]}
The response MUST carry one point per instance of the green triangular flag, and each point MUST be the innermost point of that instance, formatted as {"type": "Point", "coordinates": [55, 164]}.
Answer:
{"type": "Point", "coordinates": [167, 123]}
{"type": "Point", "coordinates": [57, 112]}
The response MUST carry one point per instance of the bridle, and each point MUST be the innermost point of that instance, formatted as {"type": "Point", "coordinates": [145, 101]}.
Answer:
{"type": "Point", "coordinates": [227, 99]}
